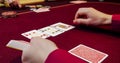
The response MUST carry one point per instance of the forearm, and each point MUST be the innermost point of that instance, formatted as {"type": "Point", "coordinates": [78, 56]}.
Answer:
{"type": "Point", "coordinates": [116, 22]}
{"type": "Point", "coordinates": [62, 56]}
{"type": "Point", "coordinates": [116, 17]}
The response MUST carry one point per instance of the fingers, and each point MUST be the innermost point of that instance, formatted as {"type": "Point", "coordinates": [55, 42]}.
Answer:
{"type": "Point", "coordinates": [38, 40]}
{"type": "Point", "coordinates": [81, 12]}
{"type": "Point", "coordinates": [41, 42]}
{"type": "Point", "coordinates": [81, 21]}
{"type": "Point", "coordinates": [40, 49]}
{"type": "Point", "coordinates": [15, 4]}
{"type": "Point", "coordinates": [19, 5]}
{"type": "Point", "coordinates": [84, 11]}
{"type": "Point", "coordinates": [87, 16]}
{"type": "Point", "coordinates": [78, 16]}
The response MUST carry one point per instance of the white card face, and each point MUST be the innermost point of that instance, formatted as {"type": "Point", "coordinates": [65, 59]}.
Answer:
{"type": "Point", "coordinates": [43, 34]}
{"type": "Point", "coordinates": [30, 34]}
{"type": "Point", "coordinates": [88, 54]}
{"type": "Point", "coordinates": [51, 31]}
{"type": "Point", "coordinates": [63, 26]}
{"type": "Point", "coordinates": [34, 33]}
{"type": "Point", "coordinates": [41, 10]}
{"type": "Point", "coordinates": [17, 45]}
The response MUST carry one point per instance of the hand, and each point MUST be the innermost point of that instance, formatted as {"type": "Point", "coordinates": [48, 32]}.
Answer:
{"type": "Point", "coordinates": [93, 17]}
{"type": "Point", "coordinates": [15, 4]}
{"type": "Point", "coordinates": [38, 51]}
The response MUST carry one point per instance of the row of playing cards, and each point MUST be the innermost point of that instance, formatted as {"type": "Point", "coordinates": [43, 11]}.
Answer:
{"type": "Point", "coordinates": [52, 30]}
{"type": "Point", "coordinates": [88, 54]}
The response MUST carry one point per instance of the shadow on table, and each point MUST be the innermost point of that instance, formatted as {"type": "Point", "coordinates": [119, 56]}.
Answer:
{"type": "Point", "coordinates": [99, 29]}
{"type": "Point", "coordinates": [16, 60]}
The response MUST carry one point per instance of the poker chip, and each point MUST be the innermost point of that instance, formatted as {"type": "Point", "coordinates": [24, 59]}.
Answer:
{"type": "Point", "coordinates": [9, 14]}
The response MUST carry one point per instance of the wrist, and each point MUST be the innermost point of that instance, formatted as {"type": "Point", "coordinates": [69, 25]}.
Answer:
{"type": "Point", "coordinates": [50, 51]}
{"type": "Point", "coordinates": [108, 19]}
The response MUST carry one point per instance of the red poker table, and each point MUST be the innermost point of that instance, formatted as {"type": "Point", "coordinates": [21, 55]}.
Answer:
{"type": "Point", "coordinates": [101, 38]}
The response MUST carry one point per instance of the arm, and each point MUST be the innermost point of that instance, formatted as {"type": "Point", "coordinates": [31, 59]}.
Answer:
{"type": "Point", "coordinates": [116, 17]}
{"type": "Point", "coordinates": [45, 51]}
{"type": "Point", "coordinates": [91, 17]}
{"type": "Point", "coordinates": [116, 22]}
{"type": "Point", "coordinates": [95, 17]}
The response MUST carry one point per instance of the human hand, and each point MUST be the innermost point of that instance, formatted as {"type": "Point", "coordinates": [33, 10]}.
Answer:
{"type": "Point", "coordinates": [93, 17]}
{"type": "Point", "coordinates": [38, 51]}
{"type": "Point", "coordinates": [15, 4]}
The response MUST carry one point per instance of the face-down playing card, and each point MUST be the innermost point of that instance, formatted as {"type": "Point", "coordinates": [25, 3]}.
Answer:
{"type": "Point", "coordinates": [88, 54]}
{"type": "Point", "coordinates": [19, 45]}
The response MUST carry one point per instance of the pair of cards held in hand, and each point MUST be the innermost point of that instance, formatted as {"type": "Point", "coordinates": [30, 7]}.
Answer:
{"type": "Point", "coordinates": [52, 30]}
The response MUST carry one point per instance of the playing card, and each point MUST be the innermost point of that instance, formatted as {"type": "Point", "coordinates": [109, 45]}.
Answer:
{"type": "Point", "coordinates": [41, 10]}
{"type": "Point", "coordinates": [17, 45]}
{"type": "Point", "coordinates": [63, 26]}
{"type": "Point", "coordinates": [88, 54]}
{"type": "Point", "coordinates": [51, 31]}
{"type": "Point", "coordinates": [30, 34]}
{"type": "Point", "coordinates": [34, 33]}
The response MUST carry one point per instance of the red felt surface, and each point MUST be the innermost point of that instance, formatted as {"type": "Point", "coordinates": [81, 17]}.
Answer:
{"type": "Point", "coordinates": [101, 40]}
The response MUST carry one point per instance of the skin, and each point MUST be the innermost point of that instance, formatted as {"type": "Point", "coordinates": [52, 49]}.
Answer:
{"type": "Point", "coordinates": [14, 3]}
{"type": "Point", "coordinates": [38, 51]}
{"type": "Point", "coordinates": [93, 17]}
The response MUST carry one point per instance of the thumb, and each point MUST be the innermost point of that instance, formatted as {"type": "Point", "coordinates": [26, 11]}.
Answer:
{"type": "Point", "coordinates": [81, 21]}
